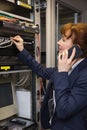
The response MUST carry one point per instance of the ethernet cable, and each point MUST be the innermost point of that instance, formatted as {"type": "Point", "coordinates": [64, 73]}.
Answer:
{"type": "Point", "coordinates": [6, 43]}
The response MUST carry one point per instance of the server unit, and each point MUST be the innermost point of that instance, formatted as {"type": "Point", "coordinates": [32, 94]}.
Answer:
{"type": "Point", "coordinates": [8, 51]}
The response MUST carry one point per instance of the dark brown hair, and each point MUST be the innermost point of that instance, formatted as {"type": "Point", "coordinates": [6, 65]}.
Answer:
{"type": "Point", "coordinates": [79, 31]}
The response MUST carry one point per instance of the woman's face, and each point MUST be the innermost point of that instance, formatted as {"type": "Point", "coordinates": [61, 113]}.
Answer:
{"type": "Point", "coordinates": [65, 43]}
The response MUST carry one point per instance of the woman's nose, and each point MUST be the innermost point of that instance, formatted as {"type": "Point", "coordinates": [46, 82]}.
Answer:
{"type": "Point", "coordinates": [59, 42]}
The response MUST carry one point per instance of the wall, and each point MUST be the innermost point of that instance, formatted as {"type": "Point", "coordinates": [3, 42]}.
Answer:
{"type": "Point", "coordinates": [80, 5]}
{"type": "Point", "coordinates": [84, 16]}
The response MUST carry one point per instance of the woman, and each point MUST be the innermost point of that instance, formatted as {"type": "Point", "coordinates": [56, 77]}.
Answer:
{"type": "Point", "coordinates": [68, 80]}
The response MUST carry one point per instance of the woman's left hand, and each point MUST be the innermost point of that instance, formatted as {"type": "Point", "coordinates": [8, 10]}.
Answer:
{"type": "Point", "coordinates": [65, 63]}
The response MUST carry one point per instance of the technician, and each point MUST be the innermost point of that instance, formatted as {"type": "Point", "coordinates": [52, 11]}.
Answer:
{"type": "Point", "coordinates": [68, 81]}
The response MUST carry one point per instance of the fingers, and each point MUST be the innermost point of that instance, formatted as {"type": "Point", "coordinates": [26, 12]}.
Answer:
{"type": "Point", "coordinates": [16, 39]}
{"type": "Point", "coordinates": [63, 55]}
{"type": "Point", "coordinates": [73, 62]}
{"type": "Point", "coordinates": [73, 54]}
{"type": "Point", "coordinates": [65, 63]}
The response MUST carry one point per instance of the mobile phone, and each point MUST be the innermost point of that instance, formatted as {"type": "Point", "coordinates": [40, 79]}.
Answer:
{"type": "Point", "coordinates": [78, 51]}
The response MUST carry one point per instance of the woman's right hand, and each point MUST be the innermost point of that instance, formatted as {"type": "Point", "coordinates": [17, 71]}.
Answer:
{"type": "Point", "coordinates": [65, 63]}
{"type": "Point", "coordinates": [18, 41]}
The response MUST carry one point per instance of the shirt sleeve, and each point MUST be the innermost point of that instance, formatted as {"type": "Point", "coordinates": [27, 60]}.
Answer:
{"type": "Point", "coordinates": [41, 71]}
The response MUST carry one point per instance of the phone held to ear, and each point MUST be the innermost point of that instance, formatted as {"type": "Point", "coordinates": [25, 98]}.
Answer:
{"type": "Point", "coordinates": [78, 51]}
